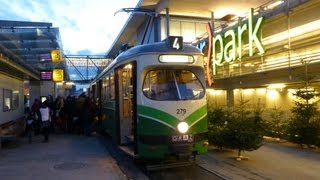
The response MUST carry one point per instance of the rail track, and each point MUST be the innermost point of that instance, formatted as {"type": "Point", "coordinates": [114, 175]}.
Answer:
{"type": "Point", "coordinates": [204, 167]}
{"type": "Point", "coordinates": [228, 170]}
{"type": "Point", "coordinates": [189, 171]}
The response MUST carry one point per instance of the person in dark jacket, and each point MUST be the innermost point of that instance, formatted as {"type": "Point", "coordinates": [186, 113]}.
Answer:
{"type": "Point", "coordinates": [82, 110]}
{"type": "Point", "coordinates": [35, 110]}
{"type": "Point", "coordinates": [69, 110]}
{"type": "Point", "coordinates": [30, 120]}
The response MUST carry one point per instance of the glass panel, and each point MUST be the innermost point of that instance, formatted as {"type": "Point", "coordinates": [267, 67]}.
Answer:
{"type": "Point", "coordinates": [175, 28]}
{"type": "Point", "coordinates": [112, 95]}
{"type": "Point", "coordinates": [7, 97]}
{"type": "Point", "coordinates": [188, 31]}
{"type": "Point", "coordinates": [105, 91]}
{"type": "Point", "coordinates": [125, 83]}
{"type": "Point", "coordinates": [15, 99]}
{"type": "Point", "coordinates": [172, 85]}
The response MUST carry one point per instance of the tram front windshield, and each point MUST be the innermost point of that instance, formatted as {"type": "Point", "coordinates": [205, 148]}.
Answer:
{"type": "Point", "coordinates": [164, 85]}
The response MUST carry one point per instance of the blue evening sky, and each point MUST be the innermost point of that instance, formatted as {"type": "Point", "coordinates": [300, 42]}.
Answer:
{"type": "Point", "coordinates": [87, 27]}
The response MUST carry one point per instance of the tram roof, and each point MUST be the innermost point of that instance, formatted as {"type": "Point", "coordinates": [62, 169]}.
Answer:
{"type": "Point", "coordinates": [223, 9]}
{"type": "Point", "coordinates": [159, 47]}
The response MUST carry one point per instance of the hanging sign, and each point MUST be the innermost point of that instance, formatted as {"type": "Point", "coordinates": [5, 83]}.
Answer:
{"type": "Point", "coordinates": [46, 75]}
{"type": "Point", "coordinates": [57, 75]}
{"type": "Point", "coordinates": [56, 55]}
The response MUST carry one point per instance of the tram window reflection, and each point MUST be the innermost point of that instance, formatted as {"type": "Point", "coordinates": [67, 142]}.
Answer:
{"type": "Point", "coordinates": [172, 85]}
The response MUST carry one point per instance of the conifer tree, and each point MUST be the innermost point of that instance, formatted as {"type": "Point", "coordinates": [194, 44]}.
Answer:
{"type": "Point", "coordinates": [246, 128]}
{"type": "Point", "coordinates": [277, 123]}
{"type": "Point", "coordinates": [218, 118]}
{"type": "Point", "coordinates": [238, 128]}
{"type": "Point", "coordinates": [304, 125]}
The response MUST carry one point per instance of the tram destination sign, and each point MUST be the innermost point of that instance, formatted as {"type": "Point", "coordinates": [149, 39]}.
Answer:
{"type": "Point", "coordinates": [175, 42]}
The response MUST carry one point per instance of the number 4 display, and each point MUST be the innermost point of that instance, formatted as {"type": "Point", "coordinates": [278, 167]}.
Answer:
{"type": "Point", "coordinates": [175, 42]}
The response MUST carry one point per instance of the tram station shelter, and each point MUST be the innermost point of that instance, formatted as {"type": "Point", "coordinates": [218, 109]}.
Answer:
{"type": "Point", "coordinates": [33, 64]}
{"type": "Point", "coordinates": [30, 53]}
{"type": "Point", "coordinates": [259, 50]}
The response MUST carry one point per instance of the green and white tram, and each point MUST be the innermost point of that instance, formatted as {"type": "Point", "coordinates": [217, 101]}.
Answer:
{"type": "Point", "coordinates": [153, 100]}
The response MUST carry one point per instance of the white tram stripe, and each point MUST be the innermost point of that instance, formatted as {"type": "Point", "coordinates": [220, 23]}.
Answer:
{"type": "Point", "coordinates": [158, 120]}
{"type": "Point", "coordinates": [197, 120]}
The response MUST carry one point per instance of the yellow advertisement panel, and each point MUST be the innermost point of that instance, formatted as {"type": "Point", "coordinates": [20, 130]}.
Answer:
{"type": "Point", "coordinates": [56, 55]}
{"type": "Point", "coordinates": [57, 75]}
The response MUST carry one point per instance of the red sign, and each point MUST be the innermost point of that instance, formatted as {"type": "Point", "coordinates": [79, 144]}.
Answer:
{"type": "Point", "coordinates": [209, 55]}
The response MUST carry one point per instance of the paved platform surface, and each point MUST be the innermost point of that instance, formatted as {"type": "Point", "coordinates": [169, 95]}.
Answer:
{"type": "Point", "coordinates": [271, 161]}
{"type": "Point", "coordinates": [78, 157]}
{"type": "Point", "coordinates": [64, 157]}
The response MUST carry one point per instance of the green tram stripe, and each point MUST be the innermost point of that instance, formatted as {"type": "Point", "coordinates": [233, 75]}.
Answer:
{"type": "Point", "coordinates": [158, 120]}
{"type": "Point", "coordinates": [155, 114]}
{"type": "Point", "coordinates": [169, 120]}
{"type": "Point", "coordinates": [195, 122]}
{"type": "Point", "coordinates": [196, 116]}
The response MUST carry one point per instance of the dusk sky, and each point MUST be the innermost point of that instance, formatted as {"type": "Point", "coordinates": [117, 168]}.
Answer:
{"type": "Point", "coordinates": [86, 26]}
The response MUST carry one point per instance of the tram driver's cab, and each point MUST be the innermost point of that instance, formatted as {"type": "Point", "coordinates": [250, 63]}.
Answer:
{"type": "Point", "coordinates": [172, 85]}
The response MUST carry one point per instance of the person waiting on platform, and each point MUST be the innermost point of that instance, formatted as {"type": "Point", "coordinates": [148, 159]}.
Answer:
{"type": "Point", "coordinates": [30, 119]}
{"type": "Point", "coordinates": [35, 109]}
{"type": "Point", "coordinates": [45, 120]}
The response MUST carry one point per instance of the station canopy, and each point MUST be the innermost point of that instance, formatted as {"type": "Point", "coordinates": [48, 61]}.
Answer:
{"type": "Point", "coordinates": [26, 51]}
{"type": "Point", "coordinates": [223, 11]}
{"type": "Point", "coordinates": [28, 46]}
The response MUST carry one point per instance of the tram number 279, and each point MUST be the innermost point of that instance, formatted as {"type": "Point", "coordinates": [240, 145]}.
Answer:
{"type": "Point", "coordinates": [181, 111]}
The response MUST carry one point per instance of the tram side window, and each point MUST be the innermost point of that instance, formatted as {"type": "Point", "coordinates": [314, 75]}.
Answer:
{"type": "Point", "coordinates": [105, 91]}
{"type": "Point", "coordinates": [112, 95]}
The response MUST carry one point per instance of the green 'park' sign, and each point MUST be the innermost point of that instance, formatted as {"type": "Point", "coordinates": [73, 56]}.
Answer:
{"type": "Point", "coordinates": [229, 46]}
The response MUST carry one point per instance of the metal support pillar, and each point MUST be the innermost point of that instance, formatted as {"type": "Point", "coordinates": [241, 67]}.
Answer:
{"type": "Point", "coordinates": [168, 22]}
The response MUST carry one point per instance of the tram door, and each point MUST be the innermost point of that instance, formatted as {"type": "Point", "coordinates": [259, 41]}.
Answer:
{"type": "Point", "coordinates": [126, 104]}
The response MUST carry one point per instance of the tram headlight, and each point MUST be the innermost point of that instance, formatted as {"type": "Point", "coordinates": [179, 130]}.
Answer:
{"type": "Point", "coordinates": [183, 127]}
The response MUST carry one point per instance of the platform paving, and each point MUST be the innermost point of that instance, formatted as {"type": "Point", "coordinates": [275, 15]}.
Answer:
{"type": "Point", "coordinates": [278, 161]}
{"type": "Point", "coordinates": [90, 158]}
{"type": "Point", "coordinates": [63, 157]}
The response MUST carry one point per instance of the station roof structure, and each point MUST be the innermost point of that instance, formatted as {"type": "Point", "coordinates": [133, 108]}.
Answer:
{"type": "Point", "coordinates": [222, 9]}
{"type": "Point", "coordinates": [28, 45]}
{"type": "Point", "coordinates": [84, 68]}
